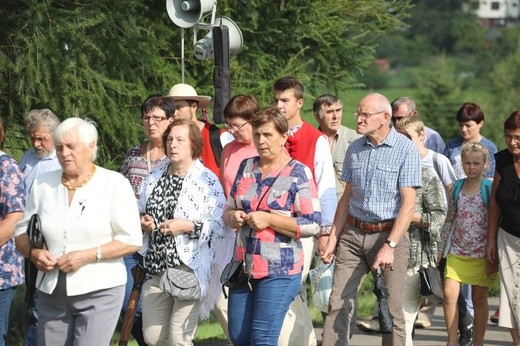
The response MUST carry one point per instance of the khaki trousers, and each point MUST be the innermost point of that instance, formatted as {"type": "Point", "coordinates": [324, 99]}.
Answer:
{"type": "Point", "coordinates": [355, 254]}
{"type": "Point", "coordinates": [167, 321]}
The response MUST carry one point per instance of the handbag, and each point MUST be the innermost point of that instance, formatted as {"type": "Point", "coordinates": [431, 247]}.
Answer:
{"type": "Point", "coordinates": [430, 282]}
{"type": "Point", "coordinates": [180, 283]}
{"type": "Point", "coordinates": [233, 274]}
{"type": "Point", "coordinates": [34, 232]}
{"type": "Point", "coordinates": [321, 285]}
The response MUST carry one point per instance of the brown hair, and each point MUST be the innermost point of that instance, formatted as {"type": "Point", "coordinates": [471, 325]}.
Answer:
{"type": "Point", "coordinates": [241, 106]}
{"type": "Point", "coordinates": [270, 115]}
{"type": "Point", "coordinates": [196, 142]}
{"type": "Point", "coordinates": [512, 122]}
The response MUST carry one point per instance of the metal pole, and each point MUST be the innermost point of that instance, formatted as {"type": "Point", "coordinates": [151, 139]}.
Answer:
{"type": "Point", "coordinates": [182, 55]}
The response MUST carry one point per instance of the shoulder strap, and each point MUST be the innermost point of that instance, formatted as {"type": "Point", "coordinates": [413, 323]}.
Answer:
{"type": "Point", "coordinates": [216, 145]}
{"type": "Point", "coordinates": [485, 190]}
{"type": "Point", "coordinates": [455, 190]}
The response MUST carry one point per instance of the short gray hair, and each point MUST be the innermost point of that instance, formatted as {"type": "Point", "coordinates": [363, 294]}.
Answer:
{"type": "Point", "coordinates": [325, 99]}
{"type": "Point", "coordinates": [86, 130]}
{"type": "Point", "coordinates": [38, 118]}
{"type": "Point", "coordinates": [410, 104]}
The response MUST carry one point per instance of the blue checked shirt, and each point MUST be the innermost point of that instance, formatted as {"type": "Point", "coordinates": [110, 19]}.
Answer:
{"type": "Point", "coordinates": [376, 173]}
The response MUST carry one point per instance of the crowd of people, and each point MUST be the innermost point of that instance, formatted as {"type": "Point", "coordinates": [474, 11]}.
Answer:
{"type": "Point", "coordinates": [269, 190]}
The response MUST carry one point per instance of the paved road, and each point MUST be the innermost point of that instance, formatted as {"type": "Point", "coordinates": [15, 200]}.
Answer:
{"type": "Point", "coordinates": [433, 336]}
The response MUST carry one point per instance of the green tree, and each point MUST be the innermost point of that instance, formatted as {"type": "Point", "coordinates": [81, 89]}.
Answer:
{"type": "Point", "coordinates": [100, 59]}
{"type": "Point", "coordinates": [439, 99]}
{"type": "Point", "coordinates": [506, 86]}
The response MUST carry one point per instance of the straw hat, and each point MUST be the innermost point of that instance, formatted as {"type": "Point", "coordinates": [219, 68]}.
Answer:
{"type": "Point", "coordinates": [183, 91]}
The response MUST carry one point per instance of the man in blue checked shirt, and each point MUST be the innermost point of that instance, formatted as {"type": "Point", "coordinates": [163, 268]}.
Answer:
{"type": "Point", "coordinates": [382, 171]}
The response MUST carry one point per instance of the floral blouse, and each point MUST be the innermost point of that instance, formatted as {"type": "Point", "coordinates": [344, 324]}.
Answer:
{"type": "Point", "coordinates": [12, 199]}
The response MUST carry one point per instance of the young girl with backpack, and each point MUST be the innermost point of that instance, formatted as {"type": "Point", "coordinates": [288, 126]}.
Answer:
{"type": "Point", "coordinates": [464, 237]}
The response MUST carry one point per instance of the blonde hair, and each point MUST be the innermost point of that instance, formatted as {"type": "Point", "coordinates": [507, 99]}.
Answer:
{"type": "Point", "coordinates": [413, 122]}
{"type": "Point", "coordinates": [475, 147]}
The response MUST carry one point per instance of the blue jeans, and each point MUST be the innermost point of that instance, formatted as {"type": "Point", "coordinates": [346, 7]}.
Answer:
{"type": "Point", "coordinates": [6, 297]}
{"type": "Point", "coordinates": [137, 329]}
{"type": "Point", "coordinates": [256, 316]}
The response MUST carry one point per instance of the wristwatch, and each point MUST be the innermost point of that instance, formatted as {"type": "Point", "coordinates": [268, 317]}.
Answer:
{"type": "Point", "coordinates": [391, 244]}
{"type": "Point", "coordinates": [99, 255]}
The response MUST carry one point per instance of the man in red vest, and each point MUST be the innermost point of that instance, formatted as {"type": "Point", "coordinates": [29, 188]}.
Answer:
{"type": "Point", "coordinates": [309, 146]}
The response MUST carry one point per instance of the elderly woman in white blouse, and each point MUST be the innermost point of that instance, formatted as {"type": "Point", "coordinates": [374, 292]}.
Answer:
{"type": "Point", "coordinates": [90, 220]}
{"type": "Point", "coordinates": [181, 205]}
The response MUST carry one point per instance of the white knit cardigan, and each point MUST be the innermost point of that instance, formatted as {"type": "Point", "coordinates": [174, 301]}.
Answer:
{"type": "Point", "coordinates": [201, 200]}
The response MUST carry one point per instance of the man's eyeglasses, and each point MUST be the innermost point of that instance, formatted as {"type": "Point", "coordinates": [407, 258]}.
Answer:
{"type": "Point", "coordinates": [156, 119]}
{"type": "Point", "coordinates": [510, 138]}
{"type": "Point", "coordinates": [235, 128]}
{"type": "Point", "coordinates": [365, 115]}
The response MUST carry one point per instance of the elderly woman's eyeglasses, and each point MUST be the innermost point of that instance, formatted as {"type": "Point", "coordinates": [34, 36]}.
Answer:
{"type": "Point", "coordinates": [365, 115]}
{"type": "Point", "coordinates": [232, 127]}
{"type": "Point", "coordinates": [510, 138]}
{"type": "Point", "coordinates": [155, 118]}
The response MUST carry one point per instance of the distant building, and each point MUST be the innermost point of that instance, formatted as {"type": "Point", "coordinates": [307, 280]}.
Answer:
{"type": "Point", "coordinates": [493, 13]}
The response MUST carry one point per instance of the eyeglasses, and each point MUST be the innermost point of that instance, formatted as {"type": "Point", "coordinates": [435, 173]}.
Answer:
{"type": "Point", "coordinates": [510, 138]}
{"type": "Point", "coordinates": [365, 115]}
{"type": "Point", "coordinates": [156, 119]}
{"type": "Point", "coordinates": [235, 128]}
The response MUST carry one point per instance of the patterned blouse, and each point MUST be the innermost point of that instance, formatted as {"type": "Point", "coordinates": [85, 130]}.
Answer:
{"type": "Point", "coordinates": [430, 203]}
{"type": "Point", "coordinates": [135, 167]}
{"type": "Point", "coordinates": [292, 193]}
{"type": "Point", "coordinates": [12, 199]}
{"type": "Point", "coordinates": [162, 252]}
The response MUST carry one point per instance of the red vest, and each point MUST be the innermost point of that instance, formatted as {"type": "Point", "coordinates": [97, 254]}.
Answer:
{"type": "Point", "coordinates": [207, 157]}
{"type": "Point", "coordinates": [302, 145]}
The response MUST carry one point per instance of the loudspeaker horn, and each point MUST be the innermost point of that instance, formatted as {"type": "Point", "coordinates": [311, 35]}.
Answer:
{"type": "Point", "coordinates": [203, 48]}
{"type": "Point", "coordinates": [187, 13]}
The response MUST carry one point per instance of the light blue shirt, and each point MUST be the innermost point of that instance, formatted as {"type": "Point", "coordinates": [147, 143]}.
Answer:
{"type": "Point", "coordinates": [433, 140]}
{"type": "Point", "coordinates": [32, 166]}
{"type": "Point", "coordinates": [376, 174]}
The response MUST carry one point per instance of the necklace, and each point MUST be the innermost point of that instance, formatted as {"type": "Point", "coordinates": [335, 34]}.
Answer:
{"type": "Point", "coordinates": [69, 187]}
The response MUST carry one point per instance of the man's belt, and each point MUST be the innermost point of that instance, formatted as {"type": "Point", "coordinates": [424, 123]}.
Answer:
{"type": "Point", "coordinates": [370, 227]}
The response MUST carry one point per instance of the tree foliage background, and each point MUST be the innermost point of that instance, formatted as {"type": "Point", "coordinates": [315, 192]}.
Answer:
{"type": "Point", "coordinates": [99, 59]}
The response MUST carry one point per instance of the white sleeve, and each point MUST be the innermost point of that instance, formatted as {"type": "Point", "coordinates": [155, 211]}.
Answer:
{"type": "Point", "coordinates": [325, 181]}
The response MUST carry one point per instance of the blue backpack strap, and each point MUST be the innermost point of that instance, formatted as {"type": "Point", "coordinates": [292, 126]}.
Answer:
{"type": "Point", "coordinates": [455, 190]}
{"type": "Point", "coordinates": [485, 190]}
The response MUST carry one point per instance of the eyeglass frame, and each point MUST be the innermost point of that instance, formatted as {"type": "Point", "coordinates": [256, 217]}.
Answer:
{"type": "Point", "coordinates": [235, 128]}
{"type": "Point", "coordinates": [156, 119]}
{"type": "Point", "coordinates": [510, 138]}
{"type": "Point", "coordinates": [357, 115]}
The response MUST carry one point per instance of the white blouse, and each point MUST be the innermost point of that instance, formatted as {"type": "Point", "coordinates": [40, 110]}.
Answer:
{"type": "Point", "coordinates": [101, 211]}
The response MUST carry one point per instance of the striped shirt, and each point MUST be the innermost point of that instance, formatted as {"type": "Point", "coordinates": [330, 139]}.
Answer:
{"type": "Point", "coordinates": [376, 174]}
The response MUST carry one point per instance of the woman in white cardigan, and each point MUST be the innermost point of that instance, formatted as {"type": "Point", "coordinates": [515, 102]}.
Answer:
{"type": "Point", "coordinates": [90, 221]}
{"type": "Point", "coordinates": [181, 205]}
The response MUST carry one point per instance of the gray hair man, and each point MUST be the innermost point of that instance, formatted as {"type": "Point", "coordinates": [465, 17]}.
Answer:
{"type": "Point", "coordinates": [40, 158]}
{"type": "Point", "coordinates": [328, 112]}
{"type": "Point", "coordinates": [404, 106]}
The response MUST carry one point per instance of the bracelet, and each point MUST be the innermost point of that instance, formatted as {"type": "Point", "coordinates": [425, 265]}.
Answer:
{"type": "Point", "coordinates": [99, 255]}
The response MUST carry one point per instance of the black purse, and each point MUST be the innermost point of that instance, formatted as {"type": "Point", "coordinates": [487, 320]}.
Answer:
{"type": "Point", "coordinates": [34, 231]}
{"type": "Point", "coordinates": [430, 283]}
{"type": "Point", "coordinates": [233, 274]}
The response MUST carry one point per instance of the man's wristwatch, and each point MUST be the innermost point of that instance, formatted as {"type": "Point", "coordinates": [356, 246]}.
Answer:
{"type": "Point", "coordinates": [391, 244]}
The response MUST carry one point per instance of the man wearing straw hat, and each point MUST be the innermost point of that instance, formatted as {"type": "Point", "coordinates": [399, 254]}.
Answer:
{"type": "Point", "coordinates": [187, 101]}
